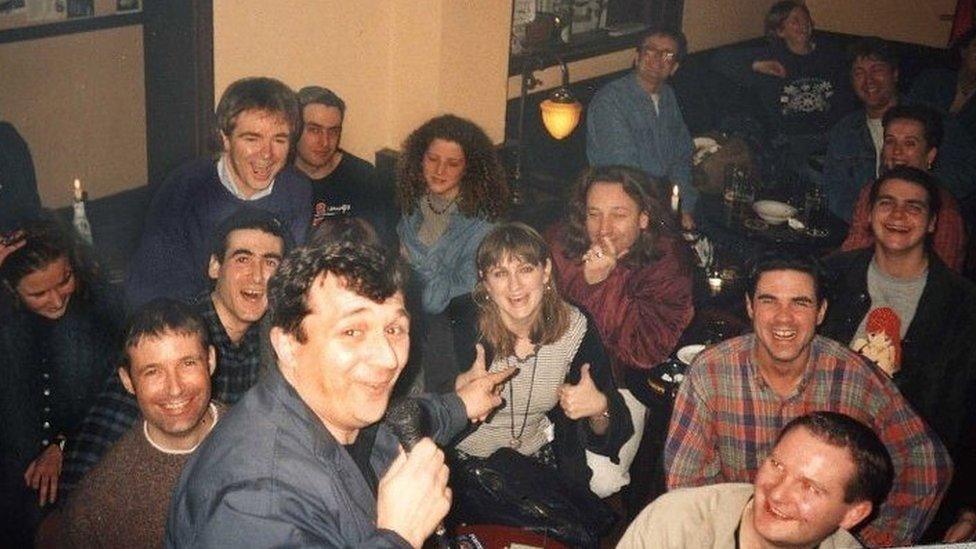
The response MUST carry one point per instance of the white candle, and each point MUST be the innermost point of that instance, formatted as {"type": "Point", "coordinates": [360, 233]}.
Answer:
{"type": "Point", "coordinates": [79, 195]}
{"type": "Point", "coordinates": [675, 199]}
{"type": "Point", "coordinates": [715, 284]}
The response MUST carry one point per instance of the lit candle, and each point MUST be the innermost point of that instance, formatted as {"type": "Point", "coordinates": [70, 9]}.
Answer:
{"type": "Point", "coordinates": [675, 199]}
{"type": "Point", "coordinates": [78, 192]}
{"type": "Point", "coordinates": [715, 284]}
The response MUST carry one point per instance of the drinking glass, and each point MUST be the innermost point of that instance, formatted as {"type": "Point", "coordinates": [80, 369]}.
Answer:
{"type": "Point", "coordinates": [814, 209]}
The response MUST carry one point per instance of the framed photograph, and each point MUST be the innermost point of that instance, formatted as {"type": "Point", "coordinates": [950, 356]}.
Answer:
{"type": "Point", "coordinates": [80, 8]}
{"type": "Point", "coordinates": [8, 6]}
{"type": "Point", "coordinates": [128, 5]}
{"type": "Point", "coordinates": [523, 12]}
{"type": "Point", "coordinates": [588, 15]}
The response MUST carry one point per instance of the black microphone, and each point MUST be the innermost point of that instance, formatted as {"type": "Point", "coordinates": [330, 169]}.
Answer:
{"type": "Point", "coordinates": [410, 422]}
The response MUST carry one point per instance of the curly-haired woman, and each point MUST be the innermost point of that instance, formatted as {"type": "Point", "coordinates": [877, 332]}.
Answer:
{"type": "Point", "coordinates": [451, 188]}
{"type": "Point", "coordinates": [618, 257]}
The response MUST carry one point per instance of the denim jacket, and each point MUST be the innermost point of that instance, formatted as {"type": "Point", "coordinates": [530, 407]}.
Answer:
{"type": "Point", "coordinates": [447, 268]}
{"type": "Point", "coordinates": [851, 162]}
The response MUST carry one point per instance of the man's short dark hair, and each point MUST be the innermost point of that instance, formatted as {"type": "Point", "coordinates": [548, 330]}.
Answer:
{"type": "Point", "coordinates": [365, 270]}
{"type": "Point", "coordinates": [914, 175]}
{"type": "Point", "coordinates": [249, 217]}
{"type": "Point", "coordinates": [157, 318]}
{"type": "Point", "coordinates": [674, 34]}
{"type": "Point", "coordinates": [344, 229]}
{"type": "Point", "coordinates": [317, 95]}
{"type": "Point", "coordinates": [777, 260]}
{"type": "Point", "coordinates": [873, 470]}
{"type": "Point", "coordinates": [872, 47]}
{"type": "Point", "coordinates": [928, 117]}
{"type": "Point", "coordinates": [258, 93]}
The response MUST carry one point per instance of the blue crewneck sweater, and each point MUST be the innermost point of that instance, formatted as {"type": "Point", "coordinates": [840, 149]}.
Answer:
{"type": "Point", "coordinates": [172, 257]}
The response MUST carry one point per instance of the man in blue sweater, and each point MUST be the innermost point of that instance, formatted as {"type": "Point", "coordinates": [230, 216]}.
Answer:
{"type": "Point", "coordinates": [635, 121]}
{"type": "Point", "coordinates": [258, 119]}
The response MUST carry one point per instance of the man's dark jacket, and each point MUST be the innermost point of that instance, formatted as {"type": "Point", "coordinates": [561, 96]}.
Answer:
{"type": "Point", "coordinates": [938, 361]}
{"type": "Point", "coordinates": [271, 475]}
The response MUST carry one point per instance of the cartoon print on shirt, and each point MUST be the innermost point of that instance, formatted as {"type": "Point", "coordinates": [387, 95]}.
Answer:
{"type": "Point", "coordinates": [883, 342]}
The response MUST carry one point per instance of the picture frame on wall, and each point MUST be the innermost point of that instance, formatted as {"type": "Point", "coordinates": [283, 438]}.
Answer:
{"type": "Point", "coordinates": [523, 12]}
{"type": "Point", "coordinates": [128, 5]}
{"type": "Point", "coordinates": [10, 6]}
{"type": "Point", "coordinates": [588, 16]}
{"type": "Point", "coordinates": [80, 8]}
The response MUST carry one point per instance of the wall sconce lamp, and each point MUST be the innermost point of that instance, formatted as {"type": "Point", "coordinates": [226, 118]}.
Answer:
{"type": "Point", "coordinates": [561, 111]}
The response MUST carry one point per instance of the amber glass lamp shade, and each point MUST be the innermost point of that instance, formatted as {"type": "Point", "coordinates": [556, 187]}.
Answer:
{"type": "Point", "coordinates": [560, 113]}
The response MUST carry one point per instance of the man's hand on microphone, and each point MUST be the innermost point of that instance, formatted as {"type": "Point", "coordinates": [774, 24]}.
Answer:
{"type": "Point", "coordinates": [479, 390]}
{"type": "Point", "coordinates": [413, 497]}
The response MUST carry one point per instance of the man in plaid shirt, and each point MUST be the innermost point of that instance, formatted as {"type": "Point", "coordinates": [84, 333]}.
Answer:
{"type": "Point", "coordinates": [740, 393]}
{"type": "Point", "coordinates": [248, 247]}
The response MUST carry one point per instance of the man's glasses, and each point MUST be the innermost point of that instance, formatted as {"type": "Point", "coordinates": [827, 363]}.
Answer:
{"type": "Point", "coordinates": [664, 55]}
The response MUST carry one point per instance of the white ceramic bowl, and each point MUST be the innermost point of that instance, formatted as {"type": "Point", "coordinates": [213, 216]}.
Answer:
{"type": "Point", "coordinates": [773, 212]}
{"type": "Point", "coordinates": [688, 353]}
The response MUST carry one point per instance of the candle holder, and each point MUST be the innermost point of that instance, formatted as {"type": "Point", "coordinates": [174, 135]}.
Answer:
{"type": "Point", "coordinates": [80, 218]}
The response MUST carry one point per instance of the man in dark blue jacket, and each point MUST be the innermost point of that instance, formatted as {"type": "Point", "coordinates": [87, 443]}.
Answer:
{"type": "Point", "coordinates": [302, 459]}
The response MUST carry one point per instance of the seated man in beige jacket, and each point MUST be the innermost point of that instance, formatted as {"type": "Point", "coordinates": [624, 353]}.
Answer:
{"type": "Point", "coordinates": [826, 474]}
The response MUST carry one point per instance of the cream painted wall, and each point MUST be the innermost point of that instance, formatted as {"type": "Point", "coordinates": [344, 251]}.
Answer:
{"type": "Point", "coordinates": [917, 21]}
{"type": "Point", "coordinates": [474, 60]}
{"type": "Point", "coordinates": [395, 62]}
{"type": "Point", "coordinates": [714, 23]}
{"type": "Point", "coordinates": [79, 102]}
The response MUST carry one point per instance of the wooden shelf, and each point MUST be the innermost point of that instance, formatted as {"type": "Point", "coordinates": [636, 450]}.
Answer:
{"type": "Point", "coordinates": [582, 46]}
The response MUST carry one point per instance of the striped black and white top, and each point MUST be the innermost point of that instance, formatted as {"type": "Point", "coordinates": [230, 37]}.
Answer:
{"type": "Point", "coordinates": [551, 364]}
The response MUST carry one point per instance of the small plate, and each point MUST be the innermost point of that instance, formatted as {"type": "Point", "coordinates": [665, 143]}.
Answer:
{"type": "Point", "coordinates": [688, 353]}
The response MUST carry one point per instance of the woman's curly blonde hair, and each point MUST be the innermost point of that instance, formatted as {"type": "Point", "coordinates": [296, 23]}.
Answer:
{"type": "Point", "coordinates": [484, 192]}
